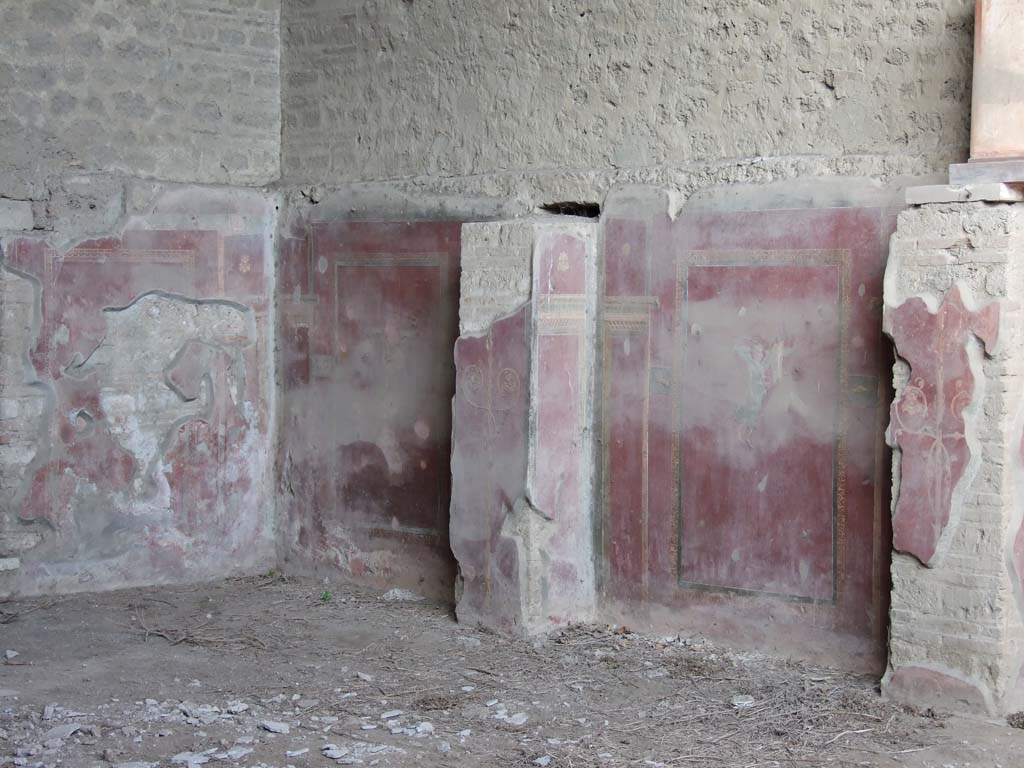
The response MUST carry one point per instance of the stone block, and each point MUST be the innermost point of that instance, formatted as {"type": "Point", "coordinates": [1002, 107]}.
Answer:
{"type": "Point", "coordinates": [994, 172]}
{"type": "Point", "coordinates": [9, 564]}
{"type": "Point", "coordinates": [995, 192]}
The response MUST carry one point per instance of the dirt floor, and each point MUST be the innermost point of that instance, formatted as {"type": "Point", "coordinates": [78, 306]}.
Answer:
{"type": "Point", "coordinates": [272, 672]}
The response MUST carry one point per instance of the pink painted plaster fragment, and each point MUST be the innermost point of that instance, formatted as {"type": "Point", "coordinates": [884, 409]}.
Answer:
{"type": "Point", "coordinates": [928, 420]}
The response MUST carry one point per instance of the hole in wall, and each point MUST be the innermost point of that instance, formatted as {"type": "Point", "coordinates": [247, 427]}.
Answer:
{"type": "Point", "coordinates": [571, 208]}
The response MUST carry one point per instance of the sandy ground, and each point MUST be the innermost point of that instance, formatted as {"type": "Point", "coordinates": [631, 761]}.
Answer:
{"type": "Point", "coordinates": [206, 675]}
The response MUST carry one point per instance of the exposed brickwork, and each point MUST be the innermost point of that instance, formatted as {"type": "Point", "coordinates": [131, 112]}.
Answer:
{"type": "Point", "coordinates": [957, 631]}
{"type": "Point", "coordinates": [184, 91]}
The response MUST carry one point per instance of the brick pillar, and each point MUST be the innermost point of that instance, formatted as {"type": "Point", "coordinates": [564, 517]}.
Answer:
{"type": "Point", "coordinates": [953, 292]}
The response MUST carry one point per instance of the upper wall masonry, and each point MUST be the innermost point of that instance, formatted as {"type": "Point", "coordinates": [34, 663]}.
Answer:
{"type": "Point", "coordinates": [383, 89]}
{"type": "Point", "coordinates": [182, 91]}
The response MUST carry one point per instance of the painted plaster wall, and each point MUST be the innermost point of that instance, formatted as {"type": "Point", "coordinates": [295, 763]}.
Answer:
{"type": "Point", "coordinates": [368, 321]}
{"type": "Point", "coordinates": [561, 100]}
{"type": "Point", "coordinates": [742, 393]}
{"type": "Point", "coordinates": [522, 455]}
{"type": "Point", "coordinates": [136, 388]}
{"type": "Point", "coordinates": [136, 397]}
{"type": "Point", "coordinates": [184, 91]}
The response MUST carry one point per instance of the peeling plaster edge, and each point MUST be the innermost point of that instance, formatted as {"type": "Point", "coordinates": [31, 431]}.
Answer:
{"type": "Point", "coordinates": [31, 379]}
{"type": "Point", "coordinates": [479, 333]}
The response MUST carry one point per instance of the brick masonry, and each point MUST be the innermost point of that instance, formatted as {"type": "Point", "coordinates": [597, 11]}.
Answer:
{"type": "Point", "coordinates": [187, 91]}
{"type": "Point", "coordinates": [957, 627]}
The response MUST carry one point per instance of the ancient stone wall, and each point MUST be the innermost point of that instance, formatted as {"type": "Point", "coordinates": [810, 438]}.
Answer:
{"type": "Point", "coordinates": [136, 373]}
{"type": "Point", "coordinates": [557, 101]}
{"type": "Point", "coordinates": [187, 91]}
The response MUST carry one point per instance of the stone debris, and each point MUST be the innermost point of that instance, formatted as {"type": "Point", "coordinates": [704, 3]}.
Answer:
{"type": "Point", "coordinates": [235, 753]}
{"type": "Point", "coordinates": [193, 758]}
{"type": "Point", "coordinates": [199, 714]}
{"type": "Point", "coordinates": [433, 719]}
{"type": "Point", "coordinates": [401, 595]}
{"type": "Point", "coordinates": [9, 654]}
{"type": "Point", "coordinates": [742, 702]}
{"type": "Point", "coordinates": [275, 727]}
{"type": "Point", "coordinates": [61, 732]}
{"type": "Point", "coordinates": [334, 752]}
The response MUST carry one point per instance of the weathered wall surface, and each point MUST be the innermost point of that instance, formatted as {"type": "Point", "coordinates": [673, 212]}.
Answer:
{"type": "Point", "coordinates": [369, 317]}
{"type": "Point", "coordinates": [953, 292]}
{"type": "Point", "coordinates": [187, 91]}
{"type": "Point", "coordinates": [561, 100]}
{"type": "Point", "coordinates": [743, 394]}
{"type": "Point", "coordinates": [136, 397]}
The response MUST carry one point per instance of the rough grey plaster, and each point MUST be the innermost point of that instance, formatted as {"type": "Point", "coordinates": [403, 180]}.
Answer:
{"type": "Point", "coordinates": [453, 88]}
{"type": "Point", "coordinates": [185, 91]}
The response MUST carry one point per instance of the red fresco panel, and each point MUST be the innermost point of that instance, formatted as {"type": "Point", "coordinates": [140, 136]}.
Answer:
{"type": "Point", "coordinates": [759, 408]}
{"type": "Point", "coordinates": [625, 446]}
{"type": "Point", "coordinates": [489, 460]}
{"type": "Point", "coordinates": [366, 449]}
{"type": "Point", "coordinates": [557, 481]}
{"type": "Point", "coordinates": [743, 474]}
{"type": "Point", "coordinates": [203, 411]}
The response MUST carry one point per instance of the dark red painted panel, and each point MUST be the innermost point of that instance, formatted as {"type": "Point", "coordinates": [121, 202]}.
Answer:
{"type": "Point", "coordinates": [625, 447]}
{"type": "Point", "coordinates": [489, 467]}
{"type": "Point", "coordinates": [759, 409]}
{"type": "Point", "coordinates": [368, 331]}
{"type": "Point", "coordinates": [744, 384]}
